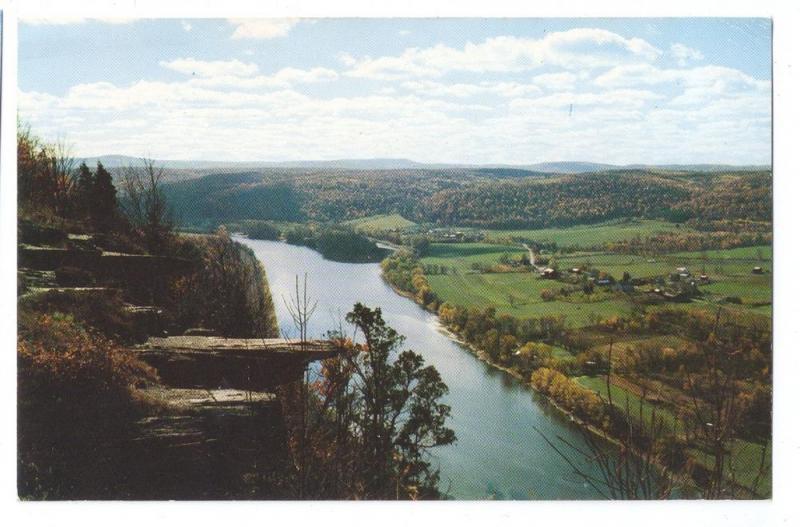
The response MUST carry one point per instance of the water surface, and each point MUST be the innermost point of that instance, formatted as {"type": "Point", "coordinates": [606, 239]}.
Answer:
{"type": "Point", "coordinates": [498, 453]}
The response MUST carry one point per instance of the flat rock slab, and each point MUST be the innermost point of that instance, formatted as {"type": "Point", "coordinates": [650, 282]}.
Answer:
{"type": "Point", "coordinates": [194, 398]}
{"type": "Point", "coordinates": [193, 344]}
{"type": "Point", "coordinates": [222, 363]}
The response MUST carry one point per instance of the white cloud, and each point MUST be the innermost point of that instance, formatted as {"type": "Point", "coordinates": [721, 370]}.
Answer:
{"type": "Point", "coordinates": [212, 68]}
{"type": "Point", "coordinates": [572, 49]}
{"type": "Point", "coordinates": [186, 26]}
{"type": "Point", "coordinates": [63, 21]}
{"type": "Point", "coordinates": [552, 102]}
{"type": "Point", "coordinates": [283, 78]}
{"type": "Point", "coordinates": [560, 81]}
{"type": "Point", "coordinates": [718, 77]}
{"type": "Point", "coordinates": [264, 28]}
{"type": "Point", "coordinates": [463, 90]}
{"type": "Point", "coordinates": [683, 54]}
{"type": "Point", "coordinates": [51, 21]}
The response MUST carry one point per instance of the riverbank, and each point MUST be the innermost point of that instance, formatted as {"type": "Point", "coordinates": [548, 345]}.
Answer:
{"type": "Point", "coordinates": [484, 357]}
{"type": "Point", "coordinates": [488, 407]}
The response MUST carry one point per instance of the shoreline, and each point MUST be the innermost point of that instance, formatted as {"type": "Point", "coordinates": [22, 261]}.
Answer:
{"type": "Point", "coordinates": [482, 356]}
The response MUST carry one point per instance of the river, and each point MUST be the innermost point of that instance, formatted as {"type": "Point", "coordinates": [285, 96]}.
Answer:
{"type": "Point", "coordinates": [498, 453]}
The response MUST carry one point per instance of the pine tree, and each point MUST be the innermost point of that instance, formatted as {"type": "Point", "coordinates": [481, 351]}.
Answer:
{"type": "Point", "coordinates": [104, 200]}
{"type": "Point", "coordinates": [84, 188]}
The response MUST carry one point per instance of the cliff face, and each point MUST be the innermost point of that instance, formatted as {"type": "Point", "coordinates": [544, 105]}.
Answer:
{"type": "Point", "coordinates": [208, 425]}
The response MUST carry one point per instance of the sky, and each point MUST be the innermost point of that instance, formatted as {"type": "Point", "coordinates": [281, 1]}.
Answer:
{"type": "Point", "coordinates": [512, 91]}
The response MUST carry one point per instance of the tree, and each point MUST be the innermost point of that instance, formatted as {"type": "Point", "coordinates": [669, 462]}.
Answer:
{"type": "Point", "coordinates": [61, 173]}
{"type": "Point", "coordinates": [104, 208]}
{"type": "Point", "coordinates": [84, 191]}
{"type": "Point", "coordinates": [145, 204]}
{"type": "Point", "coordinates": [390, 413]}
{"type": "Point", "coordinates": [227, 292]}
{"type": "Point", "coordinates": [45, 173]}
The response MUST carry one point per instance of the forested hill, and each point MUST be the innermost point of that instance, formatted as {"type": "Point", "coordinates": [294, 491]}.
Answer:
{"type": "Point", "coordinates": [474, 197]}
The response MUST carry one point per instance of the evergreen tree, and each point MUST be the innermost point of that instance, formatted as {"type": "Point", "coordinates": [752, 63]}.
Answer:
{"type": "Point", "coordinates": [104, 197]}
{"type": "Point", "coordinates": [84, 188]}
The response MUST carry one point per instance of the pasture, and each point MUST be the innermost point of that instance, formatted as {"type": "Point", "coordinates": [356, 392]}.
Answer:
{"type": "Point", "coordinates": [519, 293]}
{"type": "Point", "coordinates": [589, 236]}
{"type": "Point", "coordinates": [381, 222]}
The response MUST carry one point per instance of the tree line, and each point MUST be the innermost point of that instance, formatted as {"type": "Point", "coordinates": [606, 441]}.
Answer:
{"type": "Point", "coordinates": [472, 198]}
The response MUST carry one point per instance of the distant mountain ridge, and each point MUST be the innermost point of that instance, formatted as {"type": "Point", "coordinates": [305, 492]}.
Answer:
{"type": "Point", "coordinates": [556, 167]}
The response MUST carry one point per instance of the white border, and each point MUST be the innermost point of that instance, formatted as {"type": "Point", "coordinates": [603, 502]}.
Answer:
{"type": "Point", "coordinates": [779, 511]}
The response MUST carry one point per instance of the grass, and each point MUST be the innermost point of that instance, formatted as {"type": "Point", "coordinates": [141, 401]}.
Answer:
{"type": "Point", "coordinates": [730, 272]}
{"type": "Point", "coordinates": [461, 256]}
{"type": "Point", "coordinates": [730, 262]}
{"type": "Point", "coordinates": [620, 397]}
{"type": "Point", "coordinates": [745, 458]}
{"type": "Point", "coordinates": [587, 236]}
{"type": "Point", "coordinates": [381, 222]}
{"type": "Point", "coordinates": [495, 289]}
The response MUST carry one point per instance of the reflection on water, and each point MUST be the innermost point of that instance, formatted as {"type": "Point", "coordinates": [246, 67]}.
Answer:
{"type": "Point", "coordinates": [498, 453]}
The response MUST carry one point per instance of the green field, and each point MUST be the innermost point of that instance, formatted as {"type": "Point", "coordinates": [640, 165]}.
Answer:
{"type": "Point", "coordinates": [622, 398]}
{"type": "Point", "coordinates": [729, 270]}
{"type": "Point", "coordinates": [590, 235]}
{"type": "Point", "coordinates": [727, 263]}
{"type": "Point", "coordinates": [461, 256]}
{"type": "Point", "coordinates": [496, 289]}
{"type": "Point", "coordinates": [745, 462]}
{"type": "Point", "coordinates": [382, 222]}
{"type": "Point", "coordinates": [519, 294]}
{"type": "Point", "coordinates": [745, 456]}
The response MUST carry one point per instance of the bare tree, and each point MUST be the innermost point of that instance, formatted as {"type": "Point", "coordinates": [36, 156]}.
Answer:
{"type": "Point", "coordinates": [61, 172]}
{"type": "Point", "coordinates": [145, 204]}
{"type": "Point", "coordinates": [715, 414]}
{"type": "Point", "coordinates": [301, 308]}
{"type": "Point", "coordinates": [631, 464]}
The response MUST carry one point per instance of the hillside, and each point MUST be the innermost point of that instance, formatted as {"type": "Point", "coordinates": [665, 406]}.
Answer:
{"type": "Point", "coordinates": [487, 198]}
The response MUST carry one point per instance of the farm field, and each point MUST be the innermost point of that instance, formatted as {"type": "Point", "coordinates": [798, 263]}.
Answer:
{"type": "Point", "coordinates": [622, 398]}
{"type": "Point", "coordinates": [381, 222]}
{"type": "Point", "coordinates": [728, 262]}
{"type": "Point", "coordinates": [583, 236]}
{"type": "Point", "coordinates": [745, 455]}
{"type": "Point", "coordinates": [519, 294]}
{"type": "Point", "coordinates": [495, 290]}
{"type": "Point", "coordinates": [461, 256]}
{"type": "Point", "coordinates": [745, 461]}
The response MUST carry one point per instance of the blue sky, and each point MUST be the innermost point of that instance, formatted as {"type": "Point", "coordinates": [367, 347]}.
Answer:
{"type": "Point", "coordinates": [437, 90]}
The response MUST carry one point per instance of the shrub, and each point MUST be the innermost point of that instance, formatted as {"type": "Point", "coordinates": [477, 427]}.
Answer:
{"type": "Point", "coordinates": [570, 395]}
{"type": "Point", "coordinates": [102, 311]}
{"type": "Point", "coordinates": [60, 357]}
{"type": "Point", "coordinates": [548, 295]}
{"type": "Point", "coordinates": [75, 404]}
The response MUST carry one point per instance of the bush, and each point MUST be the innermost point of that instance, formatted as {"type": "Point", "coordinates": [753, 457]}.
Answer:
{"type": "Point", "coordinates": [101, 311]}
{"type": "Point", "coordinates": [60, 357]}
{"type": "Point", "coordinates": [570, 395]}
{"type": "Point", "coordinates": [548, 295]}
{"type": "Point", "coordinates": [75, 403]}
